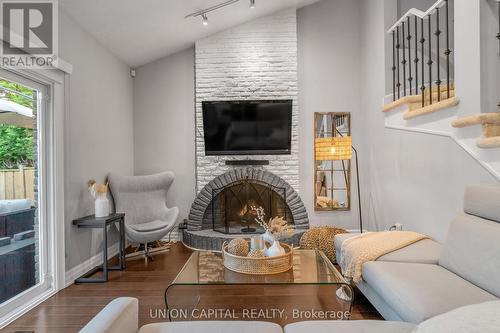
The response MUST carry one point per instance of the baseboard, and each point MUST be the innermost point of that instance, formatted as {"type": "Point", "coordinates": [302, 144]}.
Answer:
{"type": "Point", "coordinates": [77, 271]}
{"type": "Point", "coordinates": [96, 260]}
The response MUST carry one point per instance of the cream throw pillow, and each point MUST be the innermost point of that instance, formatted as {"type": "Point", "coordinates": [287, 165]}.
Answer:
{"type": "Point", "coordinates": [477, 318]}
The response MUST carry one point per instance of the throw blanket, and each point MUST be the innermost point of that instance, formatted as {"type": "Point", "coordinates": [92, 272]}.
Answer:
{"type": "Point", "coordinates": [370, 246]}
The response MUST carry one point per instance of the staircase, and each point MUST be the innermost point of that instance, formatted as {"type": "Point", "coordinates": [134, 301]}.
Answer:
{"type": "Point", "coordinates": [414, 36]}
{"type": "Point", "coordinates": [424, 87]}
{"type": "Point", "coordinates": [489, 121]}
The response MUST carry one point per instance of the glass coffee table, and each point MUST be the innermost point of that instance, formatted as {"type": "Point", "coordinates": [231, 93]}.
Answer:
{"type": "Point", "coordinates": [312, 290]}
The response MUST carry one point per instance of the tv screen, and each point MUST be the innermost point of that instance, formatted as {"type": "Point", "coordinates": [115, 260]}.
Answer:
{"type": "Point", "coordinates": [247, 127]}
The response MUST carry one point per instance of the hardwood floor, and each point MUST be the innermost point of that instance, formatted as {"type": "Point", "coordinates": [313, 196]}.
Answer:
{"type": "Point", "coordinates": [70, 309]}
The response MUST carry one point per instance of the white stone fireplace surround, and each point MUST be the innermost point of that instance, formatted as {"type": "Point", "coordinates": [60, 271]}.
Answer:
{"type": "Point", "coordinates": [254, 61]}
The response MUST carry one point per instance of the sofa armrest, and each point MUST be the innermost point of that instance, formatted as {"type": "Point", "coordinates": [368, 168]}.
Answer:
{"type": "Point", "coordinates": [121, 315]}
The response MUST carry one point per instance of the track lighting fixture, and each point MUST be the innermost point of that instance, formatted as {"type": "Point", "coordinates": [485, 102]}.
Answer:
{"type": "Point", "coordinates": [203, 13]}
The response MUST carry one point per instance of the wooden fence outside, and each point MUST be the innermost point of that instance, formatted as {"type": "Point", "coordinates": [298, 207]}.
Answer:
{"type": "Point", "coordinates": [17, 184]}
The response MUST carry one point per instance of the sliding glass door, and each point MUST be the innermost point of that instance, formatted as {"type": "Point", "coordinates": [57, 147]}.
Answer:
{"type": "Point", "coordinates": [24, 269]}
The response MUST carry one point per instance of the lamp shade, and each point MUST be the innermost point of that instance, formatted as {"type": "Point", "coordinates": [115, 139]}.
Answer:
{"type": "Point", "coordinates": [333, 148]}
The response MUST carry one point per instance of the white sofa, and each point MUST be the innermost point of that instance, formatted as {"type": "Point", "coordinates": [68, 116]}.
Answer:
{"type": "Point", "coordinates": [427, 279]}
{"type": "Point", "coordinates": [121, 316]}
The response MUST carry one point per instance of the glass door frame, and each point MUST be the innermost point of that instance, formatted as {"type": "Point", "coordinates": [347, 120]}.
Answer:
{"type": "Point", "coordinates": [50, 144]}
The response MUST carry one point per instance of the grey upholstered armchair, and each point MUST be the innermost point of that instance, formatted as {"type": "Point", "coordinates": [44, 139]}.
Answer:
{"type": "Point", "coordinates": [143, 200]}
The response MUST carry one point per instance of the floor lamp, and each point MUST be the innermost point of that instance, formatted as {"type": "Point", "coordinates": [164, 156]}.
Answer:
{"type": "Point", "coordinates": [339, 148]}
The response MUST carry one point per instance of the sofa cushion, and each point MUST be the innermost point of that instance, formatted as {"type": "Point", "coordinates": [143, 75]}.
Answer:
{"type": "Point", "coordinates": [477, 318]}
{"type": "Point", "coordinates": [426, 251]}
{"type": "Point", "coordinates": [212, 327]}
{"type": "Point", "coordinates": [417, 292]}
{"type": "Point", "coordinates": [472, 250]}
{"type": "Point", "coordinates": [482, 201]}
{"type": "Point", "coordinates": [349, 326]}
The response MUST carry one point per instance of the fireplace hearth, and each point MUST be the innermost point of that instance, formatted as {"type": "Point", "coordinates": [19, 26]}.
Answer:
{"type": "Point", "coordinates": [222, 210]}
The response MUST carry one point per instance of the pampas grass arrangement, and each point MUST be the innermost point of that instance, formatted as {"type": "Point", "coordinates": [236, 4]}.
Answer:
{"type": "Point", "coordinates": [278, 227]}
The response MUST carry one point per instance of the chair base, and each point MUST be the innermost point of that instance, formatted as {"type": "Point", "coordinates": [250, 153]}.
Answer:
{"type": "Point", "coordinates": [147, 251]}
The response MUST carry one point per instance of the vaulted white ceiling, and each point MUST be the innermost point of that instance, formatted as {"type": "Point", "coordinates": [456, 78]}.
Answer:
{"type": "Point", "coordinates": [141, 31]}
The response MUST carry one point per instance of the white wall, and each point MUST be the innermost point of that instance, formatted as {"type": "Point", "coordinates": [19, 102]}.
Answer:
{"type": "Point", "coordinates": [329, 53]}
{"type": "Point", "coordinates": [490, 56]}
{"type": "Point", "coordinates": [99, 132]}
{"type": "Point", "coordinates": [415, 179]}
{"type": "Point", "coordinates": [164, 137]}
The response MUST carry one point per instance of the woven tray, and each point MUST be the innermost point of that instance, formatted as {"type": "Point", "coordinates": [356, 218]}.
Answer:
{"type": "Point", "coordinates": [258, 266]}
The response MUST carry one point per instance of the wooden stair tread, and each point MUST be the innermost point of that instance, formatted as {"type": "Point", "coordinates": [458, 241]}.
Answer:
{"type": "Point", "coordinates": [417, 99]}
{"type": "Point", "coordinates": [477, 119]}
{"type": "Point", "coordinates": [490, 123]}
{"type": "Point", "coordinates": [442, 88]}
{"type": "Point", "coordinates": [418, 105]}
{"type": "Point", "coordinates": [443, 104]}
{"type": "Point", "coordinates": [488, 143]}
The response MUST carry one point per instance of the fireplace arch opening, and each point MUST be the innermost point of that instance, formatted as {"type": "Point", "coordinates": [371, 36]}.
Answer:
{"type": "Point", "coordinates": [233, 207]}
{"type": "Point", "coordinates": [200, 233]}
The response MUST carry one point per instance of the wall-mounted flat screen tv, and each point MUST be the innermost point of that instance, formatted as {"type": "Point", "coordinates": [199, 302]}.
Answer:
{"type": "Point", "coordinates": [247, 127]}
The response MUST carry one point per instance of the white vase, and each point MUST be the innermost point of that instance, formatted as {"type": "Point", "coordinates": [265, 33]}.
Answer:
{"type": "Point", "coordinates": [101, 206]}
{"type": "Point", "coordinates": [268, 237]}
{"type": "Point", "coordinates": [275, 250]}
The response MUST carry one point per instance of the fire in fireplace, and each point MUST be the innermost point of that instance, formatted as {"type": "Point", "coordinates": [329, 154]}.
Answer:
{"type": "Point", "coordinates": [232, 206]}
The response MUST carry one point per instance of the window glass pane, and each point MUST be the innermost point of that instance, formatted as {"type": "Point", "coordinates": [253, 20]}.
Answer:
{"type": "Point", "coordinates": [19, 230]}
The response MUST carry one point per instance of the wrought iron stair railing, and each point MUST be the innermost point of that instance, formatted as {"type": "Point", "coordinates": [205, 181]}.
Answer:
{"type": "Point", "coordinates": [417, 55]}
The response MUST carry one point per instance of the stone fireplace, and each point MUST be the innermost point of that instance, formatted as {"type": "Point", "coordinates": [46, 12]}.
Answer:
{"type": "Point", "coordinates": [254, 61]}
{"type": "Point", "coordinates": [223, 209]}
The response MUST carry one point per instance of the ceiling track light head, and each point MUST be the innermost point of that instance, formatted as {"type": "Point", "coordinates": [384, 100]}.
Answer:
{"type": "Point", "coordinates": [205, 11]}
{"type": "Point", "coordinates": [252, 4]}
{"type": "Point", "coordinates": [204, 18]}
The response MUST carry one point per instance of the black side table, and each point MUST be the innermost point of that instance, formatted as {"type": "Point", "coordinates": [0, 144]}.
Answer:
{"type": "Point", "coordinates": [93, 222]}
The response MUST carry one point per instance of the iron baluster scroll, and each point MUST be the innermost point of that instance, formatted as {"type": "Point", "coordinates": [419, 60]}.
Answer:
{"type": "Point", "coordinates": [422, 42]}
{"type": "Point", "coordinates": [393, 68]}
{"type": "Point", "coordinates": [404, 58]}
{"type": "Point", "coordinates": [429, 61]}
{"type": "Point", "coordinates": [398, 48]}
{"type": "Point", "coordinates": [410, 78]}
{"type": "Point", "coordinates": [416, 60]}
{"type": "Point", "coordinates": [438, 65]}
{"type": "Point", "coordinates": [447, 52]}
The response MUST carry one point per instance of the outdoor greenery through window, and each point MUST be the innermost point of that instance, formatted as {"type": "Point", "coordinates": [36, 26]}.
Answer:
{"type": "Point", "coordinates": [16, 143]}
{"type": "Point", "coordinates": [19, 264]}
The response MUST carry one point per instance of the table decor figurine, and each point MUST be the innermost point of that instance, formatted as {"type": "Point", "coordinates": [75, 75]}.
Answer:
{"type": "Point", "coordinates": [238, 247]}
{"type": "Point", "coordinates": [275, 229]}
{"type": "Point", "coordinates": [100, 193]}
{"type": "Point", "coordinates": [257, 243]}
